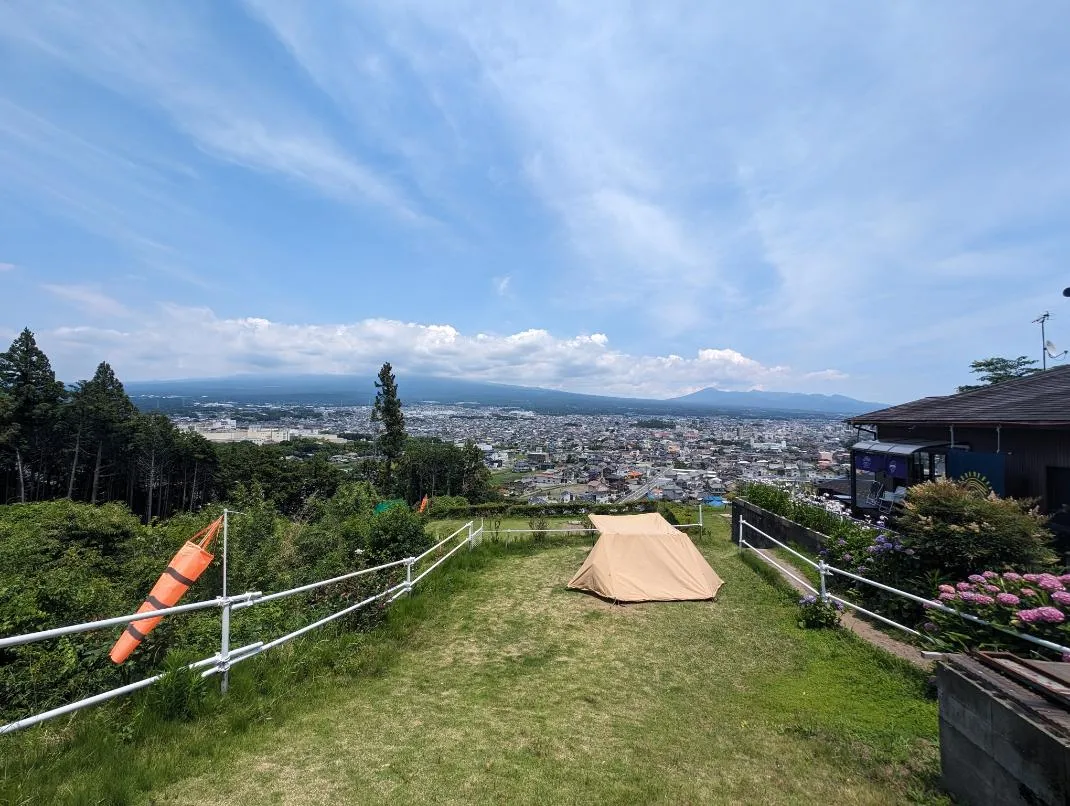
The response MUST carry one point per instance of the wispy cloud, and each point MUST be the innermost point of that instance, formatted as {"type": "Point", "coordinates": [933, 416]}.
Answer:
{"type": "Point", "coordinates": [89, 300]}
{"type": "Point", "coordinates": [8, 267]}
{"type": "Point", "coordinates": [175, 60]}
{"type": "Point", "coordinates": [501, 285]}
{"type": "Point", "coordinates": [216, 346]}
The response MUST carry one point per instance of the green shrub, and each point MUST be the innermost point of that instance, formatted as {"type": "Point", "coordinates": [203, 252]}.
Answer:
{"type": "Point", "coordinates": [956, 532]}
{"type": "Point", "coordinates": [819, 614]}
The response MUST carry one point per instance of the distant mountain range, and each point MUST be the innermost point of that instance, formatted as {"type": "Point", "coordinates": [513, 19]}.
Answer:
{"type": "Point", "coordinates": [831, 404]}
{"type": "Point", "coordinates": [350, 390]}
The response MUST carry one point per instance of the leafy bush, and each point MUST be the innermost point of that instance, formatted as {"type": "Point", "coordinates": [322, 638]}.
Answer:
{"type": "Point", "coordinates": [819, 614]}
{"type": "Point", "coordinates": [942, 532]}
{"type": "Point", "coordinates": [1035, 604]}
{"type": "Point", "coordinates": [63, 563]}
{"type": "Point", "coordinates": [955, 531]}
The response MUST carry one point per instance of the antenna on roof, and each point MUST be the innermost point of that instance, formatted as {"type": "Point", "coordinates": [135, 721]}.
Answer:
{"type": "Point", "coordinates": [1040, 320]}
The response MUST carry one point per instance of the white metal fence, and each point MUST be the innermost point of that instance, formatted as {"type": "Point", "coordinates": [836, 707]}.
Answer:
{"type": "Point", "coordinates": [221, 662]}
{"type": "Point", "coordinates": [825, 570]}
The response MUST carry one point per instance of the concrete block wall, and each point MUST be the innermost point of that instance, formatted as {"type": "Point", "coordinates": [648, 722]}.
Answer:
{"type": "Point", "coordinates": [1000, 743]}
{"type": "Point", "coordinates": [774, 525]}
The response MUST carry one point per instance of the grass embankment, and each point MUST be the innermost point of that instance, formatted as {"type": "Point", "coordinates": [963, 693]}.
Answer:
{"type": "Point", "coordinates": [498, 685]}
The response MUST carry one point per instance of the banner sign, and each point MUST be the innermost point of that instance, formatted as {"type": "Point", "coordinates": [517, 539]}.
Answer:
{"type": "Point", "coordinates": [983, 473]}
{"type": "Point", "coordinates": [870, 462]}
{"type": "Point", "coordinates": [897, 467]}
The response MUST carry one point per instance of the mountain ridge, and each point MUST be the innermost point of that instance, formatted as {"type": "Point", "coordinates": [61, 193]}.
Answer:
{"type": "Point", "coordinates": [354, 390]}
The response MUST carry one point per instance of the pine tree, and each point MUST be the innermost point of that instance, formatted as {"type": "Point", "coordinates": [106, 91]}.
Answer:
{"type": "Point", "coordinates": [32, 414]}
{"type": "Point", "coordinates": [105, 419]}
{"type": "Point", "coordinates": [387, 410]}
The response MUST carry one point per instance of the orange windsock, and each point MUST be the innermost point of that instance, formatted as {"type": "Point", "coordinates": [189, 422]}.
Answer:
{"type": "Point", "coordinates": [181, 572]}
{"type": "Point", "coordinates": [423, 504]}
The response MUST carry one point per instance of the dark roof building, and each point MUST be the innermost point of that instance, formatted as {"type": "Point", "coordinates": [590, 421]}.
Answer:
{"type": "Point", "coordinates": [1014, 436]}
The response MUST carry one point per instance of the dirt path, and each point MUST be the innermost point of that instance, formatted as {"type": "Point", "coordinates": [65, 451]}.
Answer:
{"type": "Point", "coordinates": [863, 629]}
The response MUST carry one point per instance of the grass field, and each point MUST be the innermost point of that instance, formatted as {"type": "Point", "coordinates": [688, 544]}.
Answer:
{"type": "Point", "coordinates": [497, 685]}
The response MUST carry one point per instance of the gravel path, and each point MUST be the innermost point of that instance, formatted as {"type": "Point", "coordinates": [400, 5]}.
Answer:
{"type": "Point", "coordinates": [863, 629]}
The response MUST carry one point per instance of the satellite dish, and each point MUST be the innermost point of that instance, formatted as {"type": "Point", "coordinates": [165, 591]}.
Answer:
{"type": "Point", "coordinates": [1052, 350]}
{"type": "Point", "coordinates": [1066, 292]}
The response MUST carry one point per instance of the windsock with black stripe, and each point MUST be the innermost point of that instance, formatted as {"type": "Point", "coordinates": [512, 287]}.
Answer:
{"type": "Point", "coordinates": [181, 572]}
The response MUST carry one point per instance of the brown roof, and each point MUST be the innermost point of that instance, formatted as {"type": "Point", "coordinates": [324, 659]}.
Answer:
{"type": "Point", "coordinates": [1035, 401]}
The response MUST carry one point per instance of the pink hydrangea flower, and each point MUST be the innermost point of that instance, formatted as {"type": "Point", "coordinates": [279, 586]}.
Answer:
{"type": "Point", "coordinates": [949, 596]}
{"type": "Point", "coordinates": [993, 588]}
{"type": "Point", "coordinates": [1050, 583]}
{"type": "Point", "coordinates": [1027, 592]}
{"type": "Point", "coordinates": [990, 575]}
{"type": "Point", "coordinates": [1031, 577]}
{"type": "Point", "coordinates": [1065, 579]}
{"type": "Point", "coordinates": [1008, 599]}
{"type": "Point", "coordinates": [964, 586]}
{"type": "Point", "coordinates": [1051, 615]}
{"type": "Point", "coordinates": [976, 578]}
{"type": "Point", "coordinates": [1029, 616]}
{"type": "Point", "coordinates": [981, 599]}
{"type": "Point", "coordinates": [1010, 576]}
{"type": "Point", "coordinates": [946, 589]}
{"type": "Point", "coordinates": [1061, 597]}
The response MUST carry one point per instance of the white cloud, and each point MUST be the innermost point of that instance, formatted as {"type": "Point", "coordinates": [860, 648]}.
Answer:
{"type": "Point", "coordinates": [7, 267]}
{"type": "Point", "coordinates": [501, 285]}
{"type": "Point", "coordinates": [213, 346]}
{"type": "Point", "coordinates": [89, 299]}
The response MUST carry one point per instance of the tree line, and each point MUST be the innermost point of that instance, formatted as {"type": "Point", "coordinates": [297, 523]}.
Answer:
{"type": "Point", "coordinates": [89, 442]}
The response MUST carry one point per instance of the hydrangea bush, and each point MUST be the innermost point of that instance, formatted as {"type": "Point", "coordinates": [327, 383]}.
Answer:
{"type": "Point", "coordinates": [941, 534]}
{"type": "Point", "coordinates": [1034, 604]}
{"type": "Point", "coordinates": [815, 613]}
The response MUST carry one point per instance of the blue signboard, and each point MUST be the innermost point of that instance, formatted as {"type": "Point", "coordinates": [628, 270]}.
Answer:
{"type": "Point", "coordinates": [983, 473]}
{"type": "Point", "coordinates": [870, 462]}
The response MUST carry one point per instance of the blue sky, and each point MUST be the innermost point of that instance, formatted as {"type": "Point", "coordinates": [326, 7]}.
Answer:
{"type": "Point", "coordinates": [596, 196]}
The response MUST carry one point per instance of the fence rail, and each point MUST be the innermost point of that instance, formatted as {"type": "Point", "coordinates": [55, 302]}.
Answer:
{"type": "Point", "coordinates": [825, 570]}
{"type": "Point", "coordinates": [221, 662]}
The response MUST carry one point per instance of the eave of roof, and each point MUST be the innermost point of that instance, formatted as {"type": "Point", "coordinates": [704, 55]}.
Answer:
{"type": "Point", "coordinates": [1036, 401]}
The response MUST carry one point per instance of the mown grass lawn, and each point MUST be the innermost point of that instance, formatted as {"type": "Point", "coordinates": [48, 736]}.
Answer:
{"type": "Point", "coordinates": [503, 687]}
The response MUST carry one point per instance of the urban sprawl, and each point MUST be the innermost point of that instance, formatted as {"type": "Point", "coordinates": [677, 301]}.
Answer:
{"type": "Point", "coordinates": [541, 458]}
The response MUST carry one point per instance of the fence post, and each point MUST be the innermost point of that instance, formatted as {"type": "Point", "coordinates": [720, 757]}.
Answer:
{"type": "Point", "coordinates": [224, 638]}
{"type": "Point", "coordinates": [408, 574]}
{"type": "Point", "coordinates": [821, 570]}
{"type": "Point", "coordinates": [701, 531]}
{"type": "Point", "coordinates": [471, 538]}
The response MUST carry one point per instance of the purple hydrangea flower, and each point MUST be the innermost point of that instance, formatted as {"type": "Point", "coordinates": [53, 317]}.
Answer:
{"type": "Point", "coordinates": [1065, 579]}
{"type": "Point", "coordinates": [964, 586]}
{"type": "Point", "coordinates": [976, 578]}
{"type": "Point", "coordinates": [1008, 599]}
{"type": "Point", "coordinates": [990, 575]}
{"type": "Point", "coordinates": [930, 627]}
{"type": "Point", "coordinates": [948, 597]}
{"type": "Point", "coordinates": [1061, 597]}
{"type": "Point", "coordinates": [993, 588]}
{"type": "Point", "coordinates": [1050, 583]}
{"type": "Point", "coordinates": [1010, 576]}
{"type": "Point", "coordinates": [1030, 577]}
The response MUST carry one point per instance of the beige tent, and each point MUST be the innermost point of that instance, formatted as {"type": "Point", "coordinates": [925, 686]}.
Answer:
{"type": "Point", "coordinates": [643, 558]}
